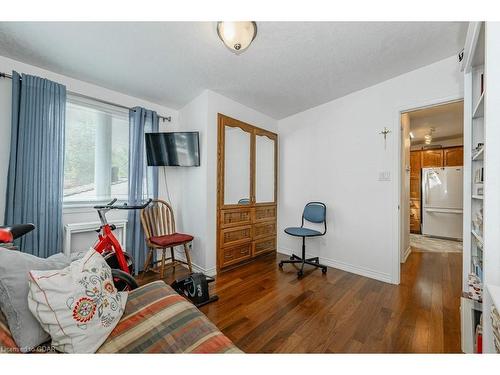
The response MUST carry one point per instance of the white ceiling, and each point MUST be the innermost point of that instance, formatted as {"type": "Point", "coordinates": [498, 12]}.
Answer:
{"type": "Point", "coordinates": [290, 67]}
{"type": "Point", "coordinates": [447, 120]}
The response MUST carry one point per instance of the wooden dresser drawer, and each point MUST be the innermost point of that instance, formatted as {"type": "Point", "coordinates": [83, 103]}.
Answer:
{"type": "Point", "coordinates": [266, 229]}
{"type": "Point", "coordinates": [265, 213]}
{"type": "Point", "coordinates": [264, 246]}
{"type": "Point", "coordinates": [235, 217]}
{"type": "Point", "coordinates": [236, 254]}
{"type": "Point", "coordinates": [235, 235]}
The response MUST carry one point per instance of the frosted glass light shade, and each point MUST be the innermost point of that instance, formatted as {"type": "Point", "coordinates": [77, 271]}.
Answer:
{"type": "Point", "coordinates": [237, 36]}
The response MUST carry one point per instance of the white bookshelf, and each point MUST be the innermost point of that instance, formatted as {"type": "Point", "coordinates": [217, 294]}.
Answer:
{"type": "Point", "coordinates": [474, 199]}
{"type": "Point", "coordinates": [492, 181]}
{"type": "Point", "coordinates": [481, 125]}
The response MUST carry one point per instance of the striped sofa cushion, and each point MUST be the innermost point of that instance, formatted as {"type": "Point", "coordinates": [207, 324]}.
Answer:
{"type": "Point", "coordinates": [158, 320]}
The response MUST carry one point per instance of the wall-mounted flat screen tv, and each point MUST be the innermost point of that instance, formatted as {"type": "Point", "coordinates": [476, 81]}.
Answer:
{"type": "Point", "coordinates": [179, 149]}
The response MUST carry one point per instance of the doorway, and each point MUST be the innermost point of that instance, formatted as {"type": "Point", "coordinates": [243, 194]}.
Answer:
{"type": "Point", "coordinates": [432, 180]}
{"type": "Point", "coordinates": [431, 221]}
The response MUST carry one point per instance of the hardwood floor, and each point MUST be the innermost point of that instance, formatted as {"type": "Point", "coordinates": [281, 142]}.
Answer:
{"type": "Point", "coordinates": [266, 310]}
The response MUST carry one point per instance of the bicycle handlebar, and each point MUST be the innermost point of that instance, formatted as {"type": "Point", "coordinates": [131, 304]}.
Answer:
{"type": "Point", "coordinates": [124, 206]}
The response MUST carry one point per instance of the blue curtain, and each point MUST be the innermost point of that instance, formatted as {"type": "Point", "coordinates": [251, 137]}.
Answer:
{"type": "Point", "coordinates": [143, 180]}
{"type": "Point", "coordinates": [36, 171]}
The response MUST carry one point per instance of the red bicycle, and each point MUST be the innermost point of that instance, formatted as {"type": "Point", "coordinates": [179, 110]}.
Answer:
{"type": "Point", "coordinates": [121, 263]}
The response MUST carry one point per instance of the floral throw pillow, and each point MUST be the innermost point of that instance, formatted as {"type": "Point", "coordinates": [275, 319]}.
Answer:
{"type": "Point", "coordinates": [79, 305]}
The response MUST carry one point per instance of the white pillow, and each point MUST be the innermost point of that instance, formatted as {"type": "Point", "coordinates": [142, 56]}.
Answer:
{"type": "Point", "coordinates": [79, 305]}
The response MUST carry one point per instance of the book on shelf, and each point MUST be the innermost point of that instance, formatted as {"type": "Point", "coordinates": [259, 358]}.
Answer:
{"type": "Point", "coordinates": [475, 288]}
{"type": "Point", "coordinates": [479, 148]}
{"type": "Point", "coordinates": [479, 176]}
{"type": "Point", "coordinates": [477, 265]}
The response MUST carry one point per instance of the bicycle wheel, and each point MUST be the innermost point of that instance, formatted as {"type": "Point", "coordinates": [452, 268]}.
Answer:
{"type": "Point", "coordinates": [111, 259]}
{"type": "Point", "coordinates": [123, 281]}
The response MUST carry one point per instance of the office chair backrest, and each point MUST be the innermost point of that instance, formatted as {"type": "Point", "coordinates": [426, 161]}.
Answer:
{"type": "Point", "coordinates": [315, 212]}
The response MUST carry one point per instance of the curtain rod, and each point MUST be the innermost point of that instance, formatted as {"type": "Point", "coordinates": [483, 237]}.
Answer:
{"type": "Point", "coordinates": [163, 118]}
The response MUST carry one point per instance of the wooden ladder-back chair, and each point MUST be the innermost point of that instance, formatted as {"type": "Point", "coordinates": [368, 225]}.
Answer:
{"type": "Point", "coordinates": [159, 228]}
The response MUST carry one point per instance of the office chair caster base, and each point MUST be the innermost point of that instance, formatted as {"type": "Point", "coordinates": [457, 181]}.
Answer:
{"type": "Point", "coordinates": [300, 274]}
{"type": "Point", "coordinates": [323, 270]}
{"type": "Point", "coordinates": [280, 265]}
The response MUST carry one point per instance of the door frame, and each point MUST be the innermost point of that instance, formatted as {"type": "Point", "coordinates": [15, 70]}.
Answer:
{"type": "Point", "coordinates": [398, 165]}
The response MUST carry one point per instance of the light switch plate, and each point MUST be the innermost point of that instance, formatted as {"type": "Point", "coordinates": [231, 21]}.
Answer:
{"type": "Point", "coordinates": [384, 176]}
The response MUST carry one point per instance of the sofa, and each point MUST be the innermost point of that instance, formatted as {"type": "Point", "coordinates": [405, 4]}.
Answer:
{"type": "Point", "coordinates": [156, 320]}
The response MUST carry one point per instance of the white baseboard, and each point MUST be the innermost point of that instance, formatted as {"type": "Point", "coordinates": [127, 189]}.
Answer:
{"type": "Point", "coordinates": [406, 254]}
{"type": "Point", "coordinates": [362, 271]}
{"type": "Point", "coordinates": [179, 254]}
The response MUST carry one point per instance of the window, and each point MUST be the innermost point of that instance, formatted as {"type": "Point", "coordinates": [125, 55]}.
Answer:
{"type": "Point", "coordinates": [96, 152]}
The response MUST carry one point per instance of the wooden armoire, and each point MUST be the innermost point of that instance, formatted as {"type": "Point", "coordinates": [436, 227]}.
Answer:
{"type": "Point", "coordinates": [442, 157]}
{"type": "Point", "coordinates": [247, 181]}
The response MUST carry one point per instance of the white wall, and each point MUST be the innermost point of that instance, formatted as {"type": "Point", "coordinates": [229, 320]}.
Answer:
{"type": "Point", "coordinates": [191, 209]}
{"type": "Point", "coordinates": [334, 153]}
{"type": "Point", "coordinates": [81, 214]}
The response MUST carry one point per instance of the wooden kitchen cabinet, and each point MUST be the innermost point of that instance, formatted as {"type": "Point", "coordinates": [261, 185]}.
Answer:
{"type": "Point", "coordinates": [453, 156]}
{"type": "Point", "coordinates": [415, 163]}
{"type": "Point", "coordinates": [415, 216]}
{"type": "Point", "coordinates": [432, 158]}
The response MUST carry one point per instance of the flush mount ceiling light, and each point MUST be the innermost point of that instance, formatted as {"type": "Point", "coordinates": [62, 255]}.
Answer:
{"type": "Point", "coordinates": [237, 36]}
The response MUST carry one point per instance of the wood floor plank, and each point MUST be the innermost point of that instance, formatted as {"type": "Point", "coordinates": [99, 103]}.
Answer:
{"type": "Point", "coordinates": [267, 310]}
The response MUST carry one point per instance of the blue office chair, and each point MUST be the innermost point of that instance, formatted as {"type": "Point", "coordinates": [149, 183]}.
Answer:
{"type": "Point", "coordinates": [314, 212]}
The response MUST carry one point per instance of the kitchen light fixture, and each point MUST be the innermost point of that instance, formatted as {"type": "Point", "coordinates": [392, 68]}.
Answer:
{"type": "Point", "coordinates": [428, 137]}
{"type": "Point", "coordinates": [237, 36]}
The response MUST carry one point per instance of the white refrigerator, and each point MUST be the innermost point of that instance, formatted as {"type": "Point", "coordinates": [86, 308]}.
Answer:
{"type": "Point", "coordinates": [442, 202]}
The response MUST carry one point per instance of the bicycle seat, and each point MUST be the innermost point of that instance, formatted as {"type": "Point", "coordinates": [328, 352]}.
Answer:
{"type": "Point", "coordinates": [11, 232]}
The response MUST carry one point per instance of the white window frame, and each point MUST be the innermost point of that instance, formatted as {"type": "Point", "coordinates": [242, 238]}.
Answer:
{"type": "Point", "coordinates": [104, 107]}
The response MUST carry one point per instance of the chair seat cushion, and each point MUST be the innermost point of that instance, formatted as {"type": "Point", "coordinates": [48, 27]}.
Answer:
{"type": "Point", "coordinates": [302, 232]}
{"type": "Point", "coordinates": [171, 239]}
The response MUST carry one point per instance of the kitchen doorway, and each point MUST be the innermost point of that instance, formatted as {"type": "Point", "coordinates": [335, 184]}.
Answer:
{"type": "Point", "coordinates": [432, 180]}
